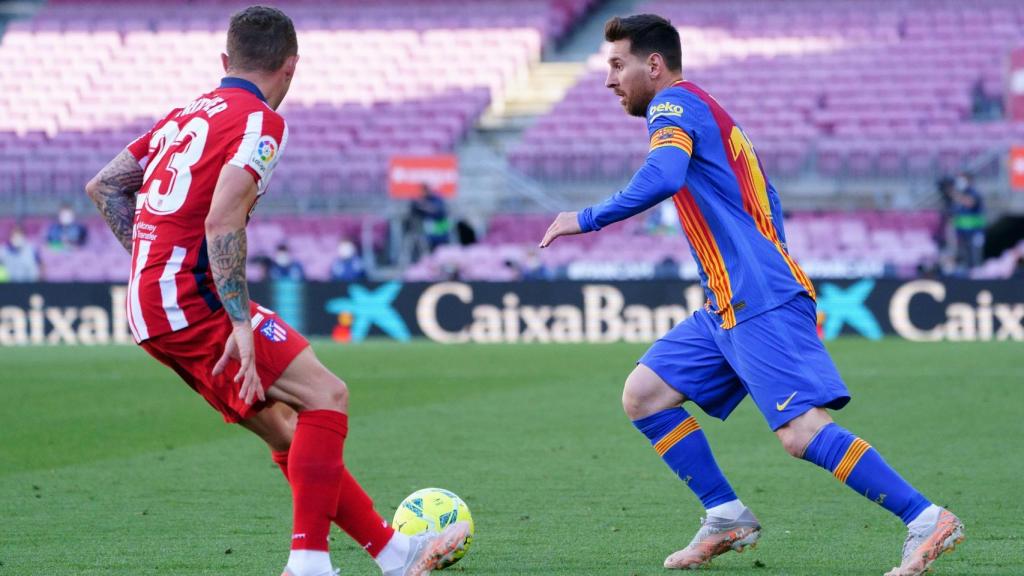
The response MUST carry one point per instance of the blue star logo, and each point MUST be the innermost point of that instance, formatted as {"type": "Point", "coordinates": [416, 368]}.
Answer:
{"type": "Point", "coordinates": [372, 307]}
{"type": "Point", "coordinates": [844, 306]}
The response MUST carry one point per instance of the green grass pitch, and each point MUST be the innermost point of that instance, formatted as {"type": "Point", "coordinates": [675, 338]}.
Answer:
{"type": "Point", "coordinates": [110, 466]}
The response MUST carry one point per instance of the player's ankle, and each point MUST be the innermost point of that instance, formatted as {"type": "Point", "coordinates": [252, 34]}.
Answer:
{"type": "Point", "coordinates": [394, 554]}
{"type": "Point", "coordinates": [309, 563]}
{"type": "Point", "coordinates": [730, 510]}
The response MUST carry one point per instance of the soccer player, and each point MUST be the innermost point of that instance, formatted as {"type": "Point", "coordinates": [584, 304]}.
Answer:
{"type": "Point", "coordinates": [756, 334]}
{"type": "Point", "coordinates": [178, 199]}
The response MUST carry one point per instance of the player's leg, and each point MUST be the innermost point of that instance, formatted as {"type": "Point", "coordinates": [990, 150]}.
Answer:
{"type": "Point", "coordinates": [792, 379]}
{"type": "Point", "coordinates": [686, 365]}
{"type": "Point", "coordinates": [276, 426]}
{"type": "Point", "coordinates": [814, 437]}
{"type": "Point", "coordinates": [314, 465]}
{"type": "Point", "coordinates": [324, 490]}
{"type": "Point", "coordinates": [656, 410]}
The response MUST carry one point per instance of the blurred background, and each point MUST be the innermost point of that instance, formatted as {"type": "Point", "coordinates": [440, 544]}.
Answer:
{"type": "Point", "coordinates": [433, 140]}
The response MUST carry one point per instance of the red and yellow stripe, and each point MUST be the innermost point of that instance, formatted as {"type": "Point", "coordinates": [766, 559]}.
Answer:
{"type": "Point", "coordinates": [703, 242]}
{"type": "Point", "coordinates": [684, 429]}
{"type": "Point", "coordinates": [750, 179]}
{"type": "Point", "coordinates": [850, 459]}
{"type": "Point", "coordinates": [766, 227]}
{"type": "Point", "coordinates": [672, 136]}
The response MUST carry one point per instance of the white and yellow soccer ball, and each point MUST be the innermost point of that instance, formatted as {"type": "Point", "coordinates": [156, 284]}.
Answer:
{"type": "Point", "coordinates": [433, 509]}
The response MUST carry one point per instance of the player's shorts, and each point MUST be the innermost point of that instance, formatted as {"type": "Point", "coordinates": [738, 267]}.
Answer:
{"type": "Point", "coordinates": [776, 357]}
{"type": "Point", "coordinates": [193, 351]}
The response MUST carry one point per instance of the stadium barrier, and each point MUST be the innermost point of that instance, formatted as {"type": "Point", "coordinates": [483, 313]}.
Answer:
{"type": "Point", "coordinates": [457, 312]}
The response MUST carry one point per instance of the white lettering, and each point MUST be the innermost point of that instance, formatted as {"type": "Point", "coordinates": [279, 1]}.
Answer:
{"type": "Point", "coordinates": [899, 309]}
{"type": "Point", "coordinates": [601, 307]}
{"type": "Point", "coordinates": [426, 311]}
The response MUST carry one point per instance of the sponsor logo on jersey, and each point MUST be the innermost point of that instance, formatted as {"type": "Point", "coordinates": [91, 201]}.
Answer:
{"type": "Point", "coordinates": [273, 331]}
{"type": "Point", "coordinates": [263, 156]}
{"type": "Point", "coordinates": [664, 109]}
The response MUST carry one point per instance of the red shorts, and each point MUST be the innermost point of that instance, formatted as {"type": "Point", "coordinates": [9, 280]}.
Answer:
{"type": "Point", "coordinates": [193, 352]}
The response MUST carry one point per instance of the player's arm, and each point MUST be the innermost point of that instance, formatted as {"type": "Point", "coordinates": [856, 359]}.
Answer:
{"type": "Point", "coordinates": [113, 190]}
{"type": "Point", "coordinates": [661, 176]}
{"type": "Point", "coordinates": [226, 244]}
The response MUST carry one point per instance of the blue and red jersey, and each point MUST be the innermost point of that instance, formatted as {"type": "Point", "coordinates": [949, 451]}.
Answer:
{"type": "Point", "coordinates": [731, 214]}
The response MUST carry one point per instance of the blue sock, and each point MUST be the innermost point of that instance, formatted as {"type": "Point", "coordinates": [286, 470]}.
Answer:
{"type": "Point", "coordinates": [681, 443]}
{"type": "Point", "coordinates": [855, 463]}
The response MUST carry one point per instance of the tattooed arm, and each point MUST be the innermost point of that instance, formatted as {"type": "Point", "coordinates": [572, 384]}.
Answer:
{"type": "Point", "coordinates": [226, 244]}
{"type": "Point", "coordinates": [113, 191]}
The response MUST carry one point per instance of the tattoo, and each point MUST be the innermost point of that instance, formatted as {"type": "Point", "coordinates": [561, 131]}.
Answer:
{"type": "Point", "coordinates": [113, 191]}
{"type": "Point", "coordinates": [227, 260]}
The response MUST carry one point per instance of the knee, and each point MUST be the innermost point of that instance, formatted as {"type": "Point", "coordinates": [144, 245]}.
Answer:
{"type": "Point", "coordinates": [327, 393]}
{"type": "Point", "coordinates": [632, 404]}
{"type": "Point", "coordinates": [793, 441]}
{"type": "Point", "coordinates": [797, 434]}
{"type": "Point", "coordinates": [337, 393]}
{"type": "Point", "coordinates": [639, 401]}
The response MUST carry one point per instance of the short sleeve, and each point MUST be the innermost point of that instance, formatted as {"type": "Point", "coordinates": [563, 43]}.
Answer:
{"type": "Point", "coordinates": [142, 147]}
{"type": "Point", "coordinates": [672, 122]}
{"type": "Point", "coordinates": [258, 147]}
{"type": "Point", "coordinates": [139, 148]}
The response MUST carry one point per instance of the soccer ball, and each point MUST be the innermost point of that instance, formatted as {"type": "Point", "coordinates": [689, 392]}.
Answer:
{"type": "Point", "coordinates": [433, 509]}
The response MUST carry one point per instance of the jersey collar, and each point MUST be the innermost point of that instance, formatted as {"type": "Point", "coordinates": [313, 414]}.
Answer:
{"type": "Point", "coordinates": [232, 82]}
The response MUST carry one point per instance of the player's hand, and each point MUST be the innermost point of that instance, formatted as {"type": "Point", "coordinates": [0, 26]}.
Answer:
{"type": "Point", "coordinates": [240, 346]}
{"type": "Point", "coordinates": [565, 224]}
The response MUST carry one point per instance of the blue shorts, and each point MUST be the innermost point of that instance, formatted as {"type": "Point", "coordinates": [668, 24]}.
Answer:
{"type": "Point", "coordinates": [776, 357]}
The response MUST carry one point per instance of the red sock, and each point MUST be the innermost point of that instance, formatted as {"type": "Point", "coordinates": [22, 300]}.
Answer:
{"type": "Point", "coordinates": [356, 516]}
{"type": "Point", "coordinates": [315, 469]}
{"type": "Point", "coordinates": [355, 513]}
{"type": "Point", "coordinates": [281, 459]}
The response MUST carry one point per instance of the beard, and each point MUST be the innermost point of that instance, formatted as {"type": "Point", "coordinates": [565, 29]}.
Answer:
{"type": "Point", "coordinates": [638, 106]}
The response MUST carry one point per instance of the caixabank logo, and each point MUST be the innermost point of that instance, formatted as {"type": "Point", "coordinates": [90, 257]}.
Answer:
{"type": "Point", "coordinates": [847, 307]}
{"type": "Point", "coordinates": [365, 308]}
{"type": "Point", "coordinates": [924, 310]}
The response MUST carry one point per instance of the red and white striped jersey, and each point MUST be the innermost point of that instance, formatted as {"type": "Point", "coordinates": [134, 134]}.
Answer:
{"type": "Point", "coordinates": [171, 285]}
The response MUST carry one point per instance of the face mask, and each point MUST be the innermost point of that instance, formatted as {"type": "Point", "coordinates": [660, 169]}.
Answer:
{"type": "Point", "coordinates": [282, 259]}
{"type": "Point", "coordinates": [17, 240]}
{"type": "Point", "coordinates": [346, 250]}
{"type": "Point", "coordinates": [65, 217]}
{"type": "Point", "coordinates": [961, 184]}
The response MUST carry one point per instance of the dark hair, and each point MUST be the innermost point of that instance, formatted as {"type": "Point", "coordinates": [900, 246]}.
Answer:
{"type": "Point", "coordinates": [260, 38]}
{"type": "Point", "coordinates": [647, 34]}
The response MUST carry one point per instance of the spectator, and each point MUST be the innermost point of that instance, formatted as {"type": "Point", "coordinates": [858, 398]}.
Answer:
{"type": "Point", "coordinates": [20, 258]}
{"type": "Point", "coordinates": [969, 223]}
{"type": "Point", "coordinates": [66, 232]}
{"type": "Point", "coordinates": [662, 220]}
{"type": "Point", "coordinates": [431, 212]}
{"type": "Point", "coordinates": [465, 232]}
{"type": "Point", "coordinates": [531, 268]}
{"type": "Point", "coordinates": [1018, 270]}
{"type": "Point", "coordinates": [667, 269]}
{"type": "Point", "coordinates": [284, 267]}
{"type": "Point", "coordinates": [348, 266]}
{"type": "Point", "coordinates": [945, 237]}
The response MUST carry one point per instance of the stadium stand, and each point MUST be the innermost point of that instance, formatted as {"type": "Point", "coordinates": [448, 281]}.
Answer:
{"type": "Point", "coordinates": [314, 239]}
{"type": "Point", "coordinates": [866, 88]}
{"type": "Point", "coordinates": [830, 244]}
{"type": "Point", "coordinates": [840, 88]}
{"type": "Point", "coordinates": [81, 79]}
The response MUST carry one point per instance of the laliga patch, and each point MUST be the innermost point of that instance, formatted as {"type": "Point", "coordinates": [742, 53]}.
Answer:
{"type": "Point", "coordinates": [264, 154]}
{"type": "Point", "coordinates": [664, 109]}
{"type": "Point", "coordinates": [273, 331]}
